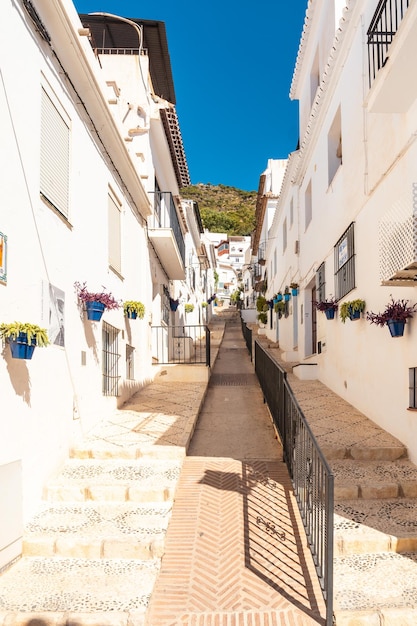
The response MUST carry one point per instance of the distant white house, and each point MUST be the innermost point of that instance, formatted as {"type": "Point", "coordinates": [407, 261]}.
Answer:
{"type": "Point", "coordinates": [345, 223]}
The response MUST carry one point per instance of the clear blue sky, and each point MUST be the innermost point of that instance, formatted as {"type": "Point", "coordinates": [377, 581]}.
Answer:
{"type": "Point", "coordinates": [232, 63]}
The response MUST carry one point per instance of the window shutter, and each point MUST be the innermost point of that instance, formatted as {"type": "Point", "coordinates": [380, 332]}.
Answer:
{"type": "Point", "coordinates": [54, 156]}
{"type": "Point", "coordinates": [320, 283]}
{"type": "Point", "coordinates": [114, 235]}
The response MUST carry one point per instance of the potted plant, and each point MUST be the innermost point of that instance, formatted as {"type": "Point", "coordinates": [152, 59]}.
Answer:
{"type": "Point", "coordinates": [329, 307]}
{"type": "Point", "coordinates": [279, 307]}
{"type": "Point", "coordinates": [188, 308]}
{"type": "Point", "coordinates": [261, 304]}
{"type": "Point", "coordinates": [351, 309]}
{"type": "Point", "coordinates": [204, 305]}
{"type": "Point", "coordinates": [95, 302]}
{"type": "Point", "coordinates": [395, 315]}
{"type": "Point", "coordinates": [294, 289]}
{"type": "Point", "coordinates": [23, 338]}
{"type": "Point", "coordinates": [133, 309]}
{"type": "Point", "coordinates": [287, 294]}
{"type": "Point", "coordinates": [277, 297]}
{"type": "Point", "coordinates": [262, 317]}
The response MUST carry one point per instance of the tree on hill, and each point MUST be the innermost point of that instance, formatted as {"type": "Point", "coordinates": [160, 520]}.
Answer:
{"type": "Point", "coordinates": [224, 209]}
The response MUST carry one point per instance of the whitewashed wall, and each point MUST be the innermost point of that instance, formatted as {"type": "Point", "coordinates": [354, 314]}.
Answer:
{"type": "Point", "coordinates": [359, 361]}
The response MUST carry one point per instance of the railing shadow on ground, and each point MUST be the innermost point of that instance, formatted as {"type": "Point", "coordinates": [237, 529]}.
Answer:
{"type": "Point", "coordinates": [273, 549]}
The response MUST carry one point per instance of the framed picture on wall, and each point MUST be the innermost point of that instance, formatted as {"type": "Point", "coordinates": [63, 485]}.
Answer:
{"type": "Point", "coordinates": [3, 258]}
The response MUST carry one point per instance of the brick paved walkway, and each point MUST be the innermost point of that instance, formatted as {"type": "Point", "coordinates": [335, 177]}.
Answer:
{"type": "Point", "coordinates": [235, 552]}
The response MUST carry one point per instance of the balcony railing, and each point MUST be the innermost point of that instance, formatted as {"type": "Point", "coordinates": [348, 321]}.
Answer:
{"type": "Point", "coordinates": [165, 216]}
{"type": "Point", "coordinates": [384, 25]}
{"type": "Point", "coordinates": [181, 345]}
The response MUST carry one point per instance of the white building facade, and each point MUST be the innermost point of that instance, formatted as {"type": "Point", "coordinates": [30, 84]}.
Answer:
{"type": "Point", "coordinates": [345, 224]}
{"type": "Point", "coordinates": [91, 169]}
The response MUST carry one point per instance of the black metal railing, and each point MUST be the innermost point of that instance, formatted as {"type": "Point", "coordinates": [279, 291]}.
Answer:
{"type": "Point", "coordinates": [310, 473]}
{"type": "Point", "coordinates": [247, 335]}
{"type": "Point", "coordinates": [381, 31]}
{"type": "Point", "coordinates": [165, 216]}
{"type": "Point", "coordinates": [181, 344]}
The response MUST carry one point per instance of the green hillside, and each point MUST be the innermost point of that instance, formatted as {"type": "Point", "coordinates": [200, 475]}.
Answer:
{"type": "Point", "coordinates": [224, 209]}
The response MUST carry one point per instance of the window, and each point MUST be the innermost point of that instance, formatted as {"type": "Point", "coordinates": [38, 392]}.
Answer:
{"type": "Point", "coordinates": [110, 360]}
{"type": "Point", "coordinates": [54, 155]}
{"type": "Point", "coordinates": [308, 206]}
{"type": "Point", "coordinates": [130, 372]}
{"type": "Point", "coordinates": [334, 146]}
{"type": "Point", "coordinates": [321, 283]}
{"type": "Point", "coordinates": [412, 376]}
{"type": "Point", "coordinates": [291, 212]}
{"type": "Point", "coordinates": [275, 263]}
{"type": "Point", "coordinates": [166, 307]}
{"type": "Point", "coordinates": [344, 262]}
{"type": "Point", "coordinates": [114, 219]}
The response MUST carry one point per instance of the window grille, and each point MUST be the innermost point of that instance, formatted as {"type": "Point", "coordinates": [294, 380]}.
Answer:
{"type": "Point", "coordinates": [166, 307]}
{"type": "Point", "coordinates": [130, 371]}
{"type": "Point", "coordinates": [54, 156]}
{"type": "Point", "coordinates": [344, 262]}
{"type": "Point", "coordinates": [110, 360]}
{"type": "Point", "coordinates": [412, 386]}
{"type": "Point", "coordinates": [321, 283]}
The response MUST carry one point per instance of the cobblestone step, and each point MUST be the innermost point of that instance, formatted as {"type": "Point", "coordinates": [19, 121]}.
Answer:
{"type": "Point", "coordinates": [56, 587]}
{"type": "Point", "coordinates": [376, 589]}
{"type": "Point", "coordinates": [97, 530]}
{"type": "Point", "coordinates": [114, 480]}
{"type": "Point", "coordinates": [375, 525]}
{"type": "Point", "coordinates": [374, 479]}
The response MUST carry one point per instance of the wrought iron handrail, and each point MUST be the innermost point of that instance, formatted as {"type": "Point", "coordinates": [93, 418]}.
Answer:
{"type": "Point", "coordinates": [384, 25]}
{"type": "Point", "coordinates": [186, 345]}
{"type": "Point", "coordinates": [311, 476]}
{"type": "Point", "coordinates": [247, 335]}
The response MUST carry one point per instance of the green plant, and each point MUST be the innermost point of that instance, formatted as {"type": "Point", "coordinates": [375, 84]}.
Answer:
{"type": "Point", "coordinates": [293, 285]}
{"type": "Point", "coordinates": [279, 307]}
{"type": "Point", "coordinates": [188, 308]}
{"type": "Point", "coordinates": [104, 297]}
{"type": "Point", "coordinates": [261, 304]}
{"type": "Point", "coordinates": [262, 317]}
{"type": "Point", "coordinates": [133, 306]}
{"type": "Point", "coordinates": [34, 333]}
{"type": "Point", "coordinates": [204, 305]}
{"type": "Point", "coordinates": [349, 307]}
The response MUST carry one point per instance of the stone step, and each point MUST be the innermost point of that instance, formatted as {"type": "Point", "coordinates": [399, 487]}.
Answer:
{"type": "Point", "coordinates": [374, 479]}
{"type": "Point", "coordinates": [95, 449]}
{"type": "Point", "coordinates": [97, 530]}
{"type": "Point", "coordinates": [375, 525]}
{"type": "Point", "coordinates": [77, 591]}
{"type": "Point", "coordinates": [114, 480]}
{"type": "Point", "coordinates": [375, 589]}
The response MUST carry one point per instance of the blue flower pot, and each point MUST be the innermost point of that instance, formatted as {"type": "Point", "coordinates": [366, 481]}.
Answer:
{"type": "Point", "coordinates": [94, 310]}
{"type": "Point", "coordinates": [354, 315]}
{"type": "Point", "coordinates": [329, 314]}
{"type": "Point", "coordinates": [20, 348]}
{"type": "Point", "coordinates": [286, 297]}
{"type": "Point", "coordinates": [294, 292]}
{"type": "Point", "coordinates": [396, 328]}
{"type": "Point", "coordinates": [132, 315]}
{"type": "Point", "coordinates": [279, 297]}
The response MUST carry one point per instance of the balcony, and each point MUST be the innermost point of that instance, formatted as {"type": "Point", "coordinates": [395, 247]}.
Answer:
{"type": "Point", "coordinates": [165, 233]}
{"type": "Point", "coordinates": [392, 50]}
{"type": "Point", "coordinates": [398, 240]}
